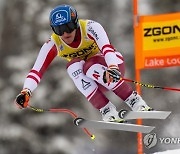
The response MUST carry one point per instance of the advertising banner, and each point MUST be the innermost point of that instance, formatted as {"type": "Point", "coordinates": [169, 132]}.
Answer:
{"type": "Point", "coordinates": [158, 41]}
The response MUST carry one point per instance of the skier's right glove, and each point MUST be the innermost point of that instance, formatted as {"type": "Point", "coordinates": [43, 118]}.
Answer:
{"type": "Point", "coordinates": [112, 74]}
{"type": "Point", "coordinates": [23, 98]}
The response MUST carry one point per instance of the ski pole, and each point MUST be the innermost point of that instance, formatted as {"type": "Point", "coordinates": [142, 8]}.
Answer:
{"type": "Point", "coordinates": [149, 85]}
{"type": "Point", "coordinates": [65, 111]}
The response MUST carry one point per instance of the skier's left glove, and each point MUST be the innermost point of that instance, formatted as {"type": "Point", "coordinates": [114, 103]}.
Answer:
{"type": "Point", "coordinates": [22, 99]}
{"type": "Point", "coordinates": [112, 74]}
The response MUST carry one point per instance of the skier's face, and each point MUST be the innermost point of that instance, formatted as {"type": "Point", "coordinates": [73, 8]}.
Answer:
{"type": "Point", "coordinates": [68, 38]}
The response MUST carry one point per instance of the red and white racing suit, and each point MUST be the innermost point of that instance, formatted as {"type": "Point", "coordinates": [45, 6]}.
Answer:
{"type": "Point", "coordinates": [89, 55]}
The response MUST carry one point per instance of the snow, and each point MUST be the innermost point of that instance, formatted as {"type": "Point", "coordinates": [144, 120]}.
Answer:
{"type": "Point", "coordinates": [176, 151]}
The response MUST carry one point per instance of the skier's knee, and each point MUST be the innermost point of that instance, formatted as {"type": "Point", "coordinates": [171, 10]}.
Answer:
{"type": "Point", "coordinates": [93, 60]}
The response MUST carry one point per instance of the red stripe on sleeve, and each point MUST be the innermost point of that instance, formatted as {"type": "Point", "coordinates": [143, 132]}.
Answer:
{"type": "Point", "coordinates": [89, 96]}
{"type": "Point", "coordinates": [34, 78]}
{"type": "Point", "coordinates": [50, 56]}
{"type": "Point", "coordinates": [107, 51]}
{"type": "Point", "coordinates": [107, 45]}
{"type": "Point", "coordinates": [120, 57]}
{"type": "Point", "coordinates": [37, 73]}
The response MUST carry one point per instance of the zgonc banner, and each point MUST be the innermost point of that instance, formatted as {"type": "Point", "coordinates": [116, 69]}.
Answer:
{"type": "Point", "coordinates": [158, 41]}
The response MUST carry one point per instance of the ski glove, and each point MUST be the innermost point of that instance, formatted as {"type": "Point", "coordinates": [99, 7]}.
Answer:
{"type": "Point", "coordinates": [112, 74]}
{"type": "Point", "coordinates": [23, 98]}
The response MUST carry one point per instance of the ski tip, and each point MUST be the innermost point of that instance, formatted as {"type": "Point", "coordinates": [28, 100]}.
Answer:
{"type": "Point", "coordinates": [168, 113]}
{"type": "Point", "coordinates": [148, 129]}
{"type": "Point", "coordinates": [152, 128]}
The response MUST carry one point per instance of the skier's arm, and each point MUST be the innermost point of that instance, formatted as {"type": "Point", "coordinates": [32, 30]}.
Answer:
{"type": "Point", "coordinates": [46, 55]}
{"type": "Point", "coordinates": [97, 33]}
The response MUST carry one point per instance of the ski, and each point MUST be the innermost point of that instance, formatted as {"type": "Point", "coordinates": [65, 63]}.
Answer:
{"type": "Point", "coordinates": [128, 115]}
{"type": "Point", "coordinates": [83, 123]}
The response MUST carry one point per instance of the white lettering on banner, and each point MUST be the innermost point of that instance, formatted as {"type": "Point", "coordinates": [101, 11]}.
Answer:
{"type": "Point", "coordinates": [162, 62]}
{"type": "Point", "coordinates": [173, 61]}
{"type": "Point", "coordinates": [154, 62]}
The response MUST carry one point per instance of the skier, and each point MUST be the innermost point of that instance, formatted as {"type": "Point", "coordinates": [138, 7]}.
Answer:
{"type": "Point", "coordinates": [93, 63]}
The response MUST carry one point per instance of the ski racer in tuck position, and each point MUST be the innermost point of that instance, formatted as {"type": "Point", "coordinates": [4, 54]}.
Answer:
{"type": "Point", "coordinates": [93, 62]}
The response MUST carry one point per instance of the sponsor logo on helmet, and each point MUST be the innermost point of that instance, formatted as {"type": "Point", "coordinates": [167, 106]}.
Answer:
{"type": "Point", "coordinates": [59, 18]}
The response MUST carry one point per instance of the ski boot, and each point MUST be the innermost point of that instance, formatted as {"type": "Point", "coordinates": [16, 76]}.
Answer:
{"type": "Point", "coordinates": [145, 108]}
{"type": "Point", "coordinates": [109, 114]}
{"type": "Point", "coordinates": [136, 103]}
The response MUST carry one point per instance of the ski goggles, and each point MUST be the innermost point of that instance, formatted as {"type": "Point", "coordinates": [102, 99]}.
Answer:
{"type": "Point", "coordinates": [68, 28]}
